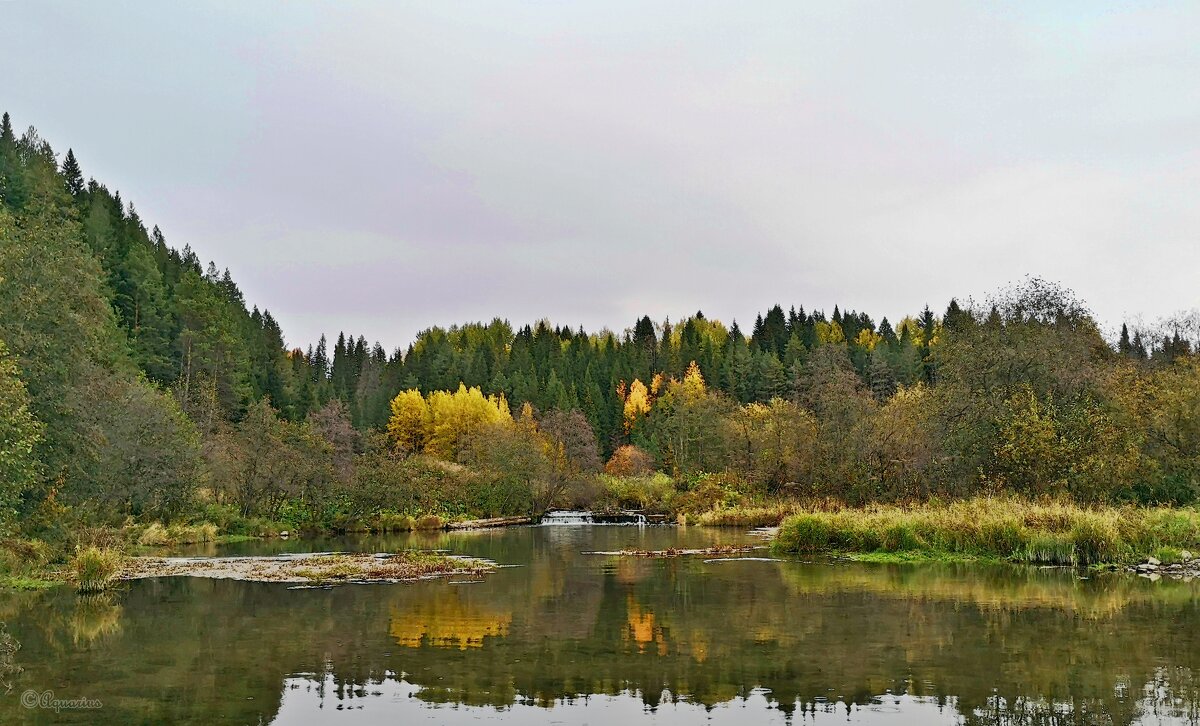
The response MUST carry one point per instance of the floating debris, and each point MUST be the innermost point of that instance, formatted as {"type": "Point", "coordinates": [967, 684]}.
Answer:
{"type": "Point", "coordinates": [744, 559]}
{"type": "Point", "coordinates": [718, 550]}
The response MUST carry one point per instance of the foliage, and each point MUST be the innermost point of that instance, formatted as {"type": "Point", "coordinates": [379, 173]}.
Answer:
{"type": "Point", "coordinates": [20, 434]}
{"type": "Point", "coordinates": [629, 461]}
{"type": "Point", "coordinates": [137, 383]}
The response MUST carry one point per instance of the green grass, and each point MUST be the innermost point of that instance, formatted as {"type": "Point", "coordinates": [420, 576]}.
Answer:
{"type": "Point", "coordinates": [15, 582]}
{"type": "Point", "coordinates": [997, 528]}
{"type": "Point", "coordinates": [912, 556]}
{"type": "Point", "coordinates": [232, 538]}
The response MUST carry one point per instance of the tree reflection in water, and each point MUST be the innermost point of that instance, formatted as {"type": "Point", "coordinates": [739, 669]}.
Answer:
{"type": "Point", "coordinates": [599, 639]}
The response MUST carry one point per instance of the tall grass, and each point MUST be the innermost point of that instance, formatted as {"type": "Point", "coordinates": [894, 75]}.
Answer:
{"type": "Point", "coordinates": [1014, 529]}
{"type": "Point", "coordinates": [769, 515]}
{"type": "Point", "coordinates": [95, 569]}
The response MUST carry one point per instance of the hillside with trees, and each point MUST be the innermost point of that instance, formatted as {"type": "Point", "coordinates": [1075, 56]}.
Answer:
{"type": "Point", "coordinates": [136, 384]}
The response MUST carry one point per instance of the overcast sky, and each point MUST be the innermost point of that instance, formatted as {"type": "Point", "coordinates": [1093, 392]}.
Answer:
{"type": "Point", "coordinates": [384, 167]}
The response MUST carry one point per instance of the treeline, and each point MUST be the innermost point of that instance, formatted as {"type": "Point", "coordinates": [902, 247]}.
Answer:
{"type": "Point", "coordinates": [135, 381]}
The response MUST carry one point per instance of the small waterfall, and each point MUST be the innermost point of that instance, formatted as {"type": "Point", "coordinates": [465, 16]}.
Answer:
{"type": "Point", "coordinates": [570, 517]}
{"type": "Point", "coordinates": [566, 517]}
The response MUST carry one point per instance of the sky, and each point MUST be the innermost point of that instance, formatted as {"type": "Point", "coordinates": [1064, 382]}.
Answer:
{"type": "Point", "coordinates": [383, 167]}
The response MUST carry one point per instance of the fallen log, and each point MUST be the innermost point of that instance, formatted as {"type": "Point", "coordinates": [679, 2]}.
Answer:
{"type": "Point", "coordinates": [491, 522]}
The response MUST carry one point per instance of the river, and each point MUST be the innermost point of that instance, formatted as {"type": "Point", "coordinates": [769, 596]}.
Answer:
{"type": "Point", "coordinates": [564, 637]}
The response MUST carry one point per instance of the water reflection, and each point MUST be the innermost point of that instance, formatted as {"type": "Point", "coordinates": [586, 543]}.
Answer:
{"type": "Point", "coordinates": [576, 638]}
{"type": "Point", "coordinates": [448, 620]}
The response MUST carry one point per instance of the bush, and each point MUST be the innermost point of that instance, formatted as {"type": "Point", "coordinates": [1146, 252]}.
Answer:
{"type": "Point", "coordinates": [430, 521]}
{"type": "Point", "coordinates": [95, 569]}
{"type": "Point", "coordinates": [392, 522]}
{"type": "Point", "coordinates": [747, 516]}
{"type": "Point", "coordinates": [156, 535]}
{"type": "Point", "coordinates": [629, 461]}
{"type": "Point", "coordinates": [192, 533]}
{"type": "Point", "coordinates": [21, 557]}
{"type": "Point", "coordinates": [647, 493]}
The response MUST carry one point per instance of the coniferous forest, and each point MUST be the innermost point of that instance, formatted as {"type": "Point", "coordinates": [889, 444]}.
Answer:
{"type": "Point", "coordinates": [136, 387]}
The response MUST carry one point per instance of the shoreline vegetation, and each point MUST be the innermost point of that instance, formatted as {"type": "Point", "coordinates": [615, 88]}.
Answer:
{"type": "Point", "coordinates": [144, 404]}
{"type": "Point", "coordinates": [1001, 529]}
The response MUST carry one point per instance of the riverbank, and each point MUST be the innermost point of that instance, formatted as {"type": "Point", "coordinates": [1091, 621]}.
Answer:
{"type": "Point", "coordinates": [1004, 529]}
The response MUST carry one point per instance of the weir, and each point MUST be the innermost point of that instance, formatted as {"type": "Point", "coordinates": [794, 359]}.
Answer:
{"type": "Point", "coordinates": [569, 517]}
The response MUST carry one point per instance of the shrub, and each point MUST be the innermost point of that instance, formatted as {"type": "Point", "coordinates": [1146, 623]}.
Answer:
{"type": "Point", "coordinates": [746, 516]}
{"type": "Point", "coordinates": [192, 534]}
{"type": "Point", "coordinates": [392, 522]}
{"type": "Point", "coordinates": [430, 521]}
{"type": "Point", "coordinates": [23, 556]}
{"type": "Point", "coordinates": [706, 496]}
{"type": "Point", "coordinates": [629, 461]}
{"type": "Point", "coordinates": [650, 493]}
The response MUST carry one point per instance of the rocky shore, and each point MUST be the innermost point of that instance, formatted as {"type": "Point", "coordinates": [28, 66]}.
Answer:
{"type": "Point", "coordinates": [1187, 568]}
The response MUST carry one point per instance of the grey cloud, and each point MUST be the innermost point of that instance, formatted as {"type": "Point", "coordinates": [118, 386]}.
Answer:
{"type": "Point", "coordinates": [384, 167]}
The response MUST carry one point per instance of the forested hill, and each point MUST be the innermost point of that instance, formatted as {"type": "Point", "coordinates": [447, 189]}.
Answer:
{"type": "Point", "coordinates": [185, 325]}
{"type": "Point", "coordinates": [127, 356]}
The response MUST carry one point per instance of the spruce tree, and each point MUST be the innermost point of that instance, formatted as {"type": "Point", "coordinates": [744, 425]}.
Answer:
{"type": "Point", "coordinates": [72, 176]}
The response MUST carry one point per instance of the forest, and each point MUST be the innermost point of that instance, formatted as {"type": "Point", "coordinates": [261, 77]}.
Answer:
{"type": "Point", "coordinates": [136, 387]}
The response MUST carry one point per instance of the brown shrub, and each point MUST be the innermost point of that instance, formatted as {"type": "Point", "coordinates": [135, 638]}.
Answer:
{"type": "Point", "coordinates": [629, 461]}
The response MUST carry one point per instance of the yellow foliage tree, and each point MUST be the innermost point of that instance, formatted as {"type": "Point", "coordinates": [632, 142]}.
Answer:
{"type": "Point", "coordinates": [637, 404]}
{"type": "Point", "coordinates": [867, 339]}
{"type": "Point", "coordinates": [458, 414]}
{"type": "Point", "coordinates": [437, 424]}
{"type": "Point", "coordinates": [411, 422]}
{"type": "Point", "coordinates": [692, 386]}
{"type": "Point", "coordinates": [830, 332]}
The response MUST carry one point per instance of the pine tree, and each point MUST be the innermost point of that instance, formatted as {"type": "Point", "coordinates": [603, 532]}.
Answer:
{"type": "Point", "coordinates": [886, 332]}
{"type": "Point", "coordinates": [1124, 347]}
{"type": "Point", "coordinates": [955, 316]}
{"type": "Point", "coordinates": [880, 378]}
{"type": "Point", "coordinates": [72, 176]}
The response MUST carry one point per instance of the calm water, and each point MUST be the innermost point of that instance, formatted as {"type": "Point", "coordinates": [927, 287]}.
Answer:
{"type": "Point", "coordinates": [568, 638]}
